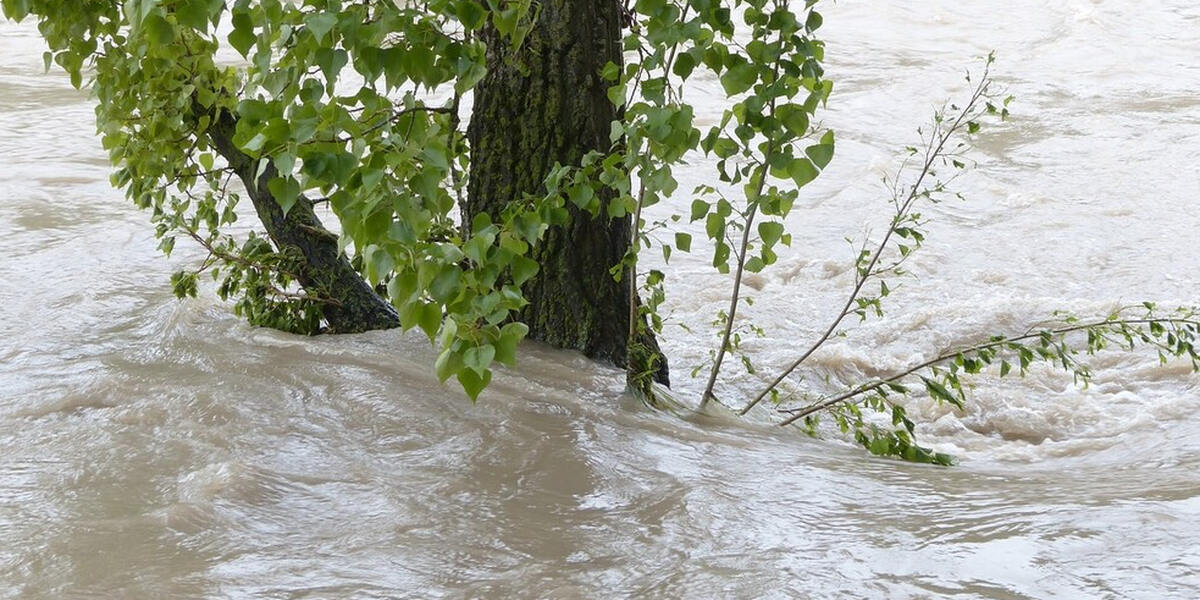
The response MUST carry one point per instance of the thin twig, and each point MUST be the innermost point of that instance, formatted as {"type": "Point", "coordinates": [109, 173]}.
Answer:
{"type": "Point", "coordinates": [735, 295]}
{"type": "Point", "coordinates": [243, 261]}
{"type": "Point", "coordinates": [633, 273]}
{"type": "Point", "coordinates": [913, 195]}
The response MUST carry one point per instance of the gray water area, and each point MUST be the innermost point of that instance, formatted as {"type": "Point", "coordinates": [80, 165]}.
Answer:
{"type": "Point", "coordinates": [152, 448]}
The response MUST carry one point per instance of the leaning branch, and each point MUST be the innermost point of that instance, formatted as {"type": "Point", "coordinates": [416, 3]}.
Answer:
{"type": "Point", "coordinates": [857, 392]}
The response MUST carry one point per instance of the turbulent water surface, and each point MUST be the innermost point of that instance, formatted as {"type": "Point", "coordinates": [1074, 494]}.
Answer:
{"type": "Point", "coordinates": [151, 448]}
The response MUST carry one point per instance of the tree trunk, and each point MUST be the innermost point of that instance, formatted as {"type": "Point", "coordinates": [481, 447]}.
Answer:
{"type": "Point", "coordinates": [325, 272]}
{"type": "Point", "coordinates": [542, 104]}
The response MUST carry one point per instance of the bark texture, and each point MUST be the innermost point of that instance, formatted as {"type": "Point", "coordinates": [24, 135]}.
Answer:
{"type": "Point", "coordinates": [542, 104]}
{"type": "Point", "coordinates": [326, 272]}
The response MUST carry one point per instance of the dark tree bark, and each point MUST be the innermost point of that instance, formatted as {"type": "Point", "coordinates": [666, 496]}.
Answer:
{"type": "Point", "coordinates": [325, 272]}
{"type": "Point", "coordinates": [546, 103]}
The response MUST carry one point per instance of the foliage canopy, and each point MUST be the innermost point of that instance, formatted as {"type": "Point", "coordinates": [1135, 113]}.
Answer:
{"type": "Point", "coordinates": [358, 104]}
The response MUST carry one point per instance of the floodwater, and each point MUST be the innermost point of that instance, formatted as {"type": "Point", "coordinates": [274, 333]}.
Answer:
{"type": "Point", "coordinates": [151, 448]}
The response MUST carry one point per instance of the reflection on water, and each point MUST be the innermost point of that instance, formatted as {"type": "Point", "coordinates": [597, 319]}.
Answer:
{"type": "Point", "coordinates": [157, 449]}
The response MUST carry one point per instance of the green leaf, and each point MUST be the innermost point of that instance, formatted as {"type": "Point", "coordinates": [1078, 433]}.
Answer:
{"type": "Point", "coordinates": [523, 269]}
{"type": "Point", "coordinates": [16, 10]}
{"type": "Point", "coordinates": [429, 318]}
{"type": "Point", "coordinates": [616, 94]}
{"type": "Point", "coordinates": [714, 226]}
{"type": "Point", "coordinates": [138, 10]}
{"type": "Point", "coordinates": [331, 62]}
{"type": "Point", "coordinates": [448, 363]}
{"type": "Point", "coordinates": [821, 153]}
{"type": "Point", "coordinates": [285, 163]}
{"type": "Point", "coordinates": [196, 14]}
{"type": "Point", "coordinates": [379, 263]}
{"type": "Point", "coordinates": [802, 171]}
{"type": "Point", "coordinates": [242, 38]}
{"type": "Point", "coordinates": [446, 285]}
{"type": "Point", "coordinates": [721, 257]}
{"type": "Point", "coordinates": [699, 209]}
{"type": "Point", "coordinates": [684, 65]}
{"type": "Point", "coordinates": [770, 232]}
{"type": "Point", "coordinates": [473, 383]}
{"type": "Point", "coordinates": [724, 147]}
{"type": "Point", "coordinates": [479, 358]}
{"type": "Point", "coordinates": [285, 191]}
{"type": "Point", "coordinates": [939, 392]}
{"type": "Point", "coordinates": [254, 111]}
{"type": "Point", "coordinates": [814, 21]}
{"type": "Point", "coordinates": [739, 78]}
{"type": "Point", "coordinates": [878, 446]}
{"type": "Point", "coordinates": [506, 347]}
{"type": "Point", "coordinates": [794, 118]}
{"type": "Point", "coordinates": [683, 241]}
{"type": "Point", "coordinates": [254, 146]}
{"type": "Point", "coordinates": [581, 196]}
{"type": "Point", "coordinates": [320, 24]}
{"type": "Point", "coordinates": [610, 72]}
{"type": "Point", "coordinates": [183, 284]}
{"type": "Point", "coordinates": [471, 14]}
{"type": "Point", "coordinates": [158, 30]}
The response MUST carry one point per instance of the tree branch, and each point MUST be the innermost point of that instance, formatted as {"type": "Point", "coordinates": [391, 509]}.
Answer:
{"type": "Point", "coordinates": [800, 413]}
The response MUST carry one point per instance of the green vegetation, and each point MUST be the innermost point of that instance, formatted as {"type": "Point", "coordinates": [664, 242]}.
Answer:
{"type": "Point", "coordinates": [578, 119]}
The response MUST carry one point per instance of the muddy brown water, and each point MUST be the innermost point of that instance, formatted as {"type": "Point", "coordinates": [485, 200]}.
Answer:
{"type": "Point", "coordinates": [151, 448]}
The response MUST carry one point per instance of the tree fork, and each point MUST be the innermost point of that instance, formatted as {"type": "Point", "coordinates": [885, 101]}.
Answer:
{"type": "Point", "coordinates": [545, 103]}
{"type": "Point", "coordinates": [325, 272]}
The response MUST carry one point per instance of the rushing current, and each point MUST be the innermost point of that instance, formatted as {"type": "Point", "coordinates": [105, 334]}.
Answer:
{"type": "Point", "coordinates": [153, 448]}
